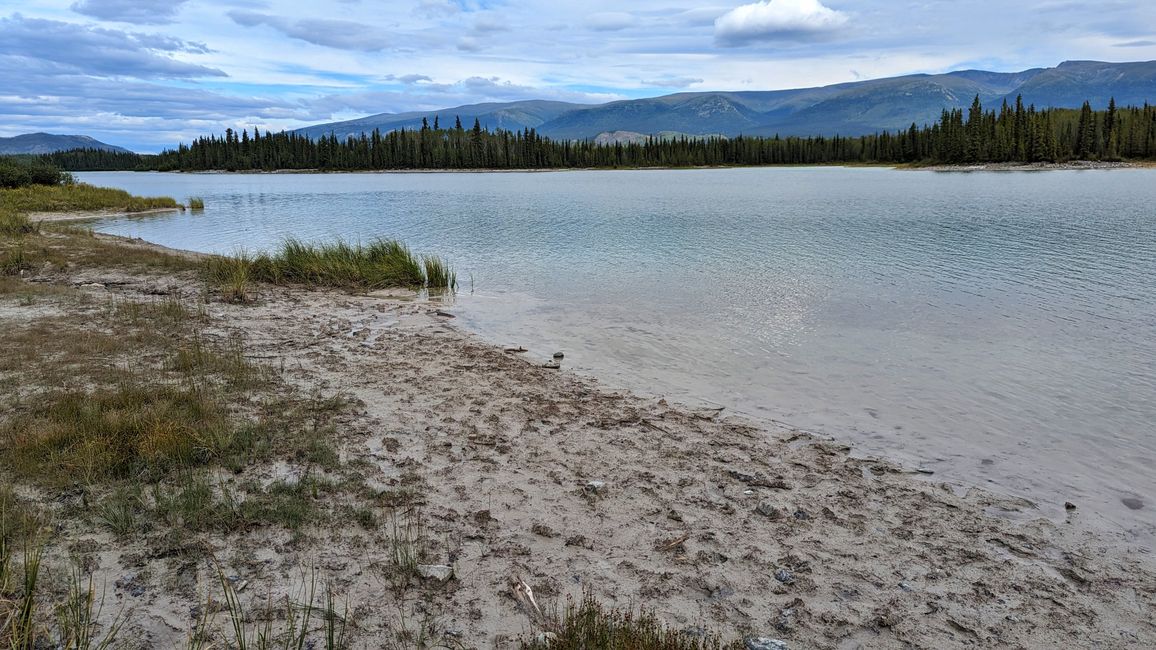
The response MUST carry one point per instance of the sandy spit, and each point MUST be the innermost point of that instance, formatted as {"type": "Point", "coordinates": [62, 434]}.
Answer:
{"type": "Point", "coordinates": [715, 523]}
{"type": "Point", "coordinates": [93, 215]}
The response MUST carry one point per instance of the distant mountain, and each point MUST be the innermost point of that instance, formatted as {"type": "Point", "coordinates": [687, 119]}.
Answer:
{"type": "Point", "coordinates": [849, 109]}
{"type": "Point", "coordinates": [513, 116]}
{"type": "Point", "coordinates": [38, 143]}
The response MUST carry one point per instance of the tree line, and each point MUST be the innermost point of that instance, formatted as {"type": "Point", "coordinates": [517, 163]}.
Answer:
{"type": "Point", "coordinates": [1013, 133]}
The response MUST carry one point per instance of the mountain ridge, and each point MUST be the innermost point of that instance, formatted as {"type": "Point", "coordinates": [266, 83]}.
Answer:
{"type": "Point", "coordinates": [44, 143]}
{"type": "Point", "coordinates": [849, 108]}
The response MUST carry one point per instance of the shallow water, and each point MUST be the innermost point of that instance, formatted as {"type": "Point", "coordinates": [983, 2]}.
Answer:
{"type": "Point", "coordinates": [996, 328]}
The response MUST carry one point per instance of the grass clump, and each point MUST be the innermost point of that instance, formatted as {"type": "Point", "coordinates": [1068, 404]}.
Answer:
{"type": "Point", "coordinates": [14, 224]}
{"type": "Point", "coordinates": [196, 203]}
{"type": "Point", "coordinates": [113, 434]}
{"type": "Point", "coordinates": [75, 197]}
{"type": "Point", "coordinates": [380, 264]}
{"type": "Point", "coordinates": [591, 625]}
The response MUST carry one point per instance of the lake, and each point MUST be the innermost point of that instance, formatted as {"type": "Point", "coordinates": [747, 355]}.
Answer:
{"type": "Point", "coordinates": [996, 328]}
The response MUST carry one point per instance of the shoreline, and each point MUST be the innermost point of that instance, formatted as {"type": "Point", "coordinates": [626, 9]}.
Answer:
{"type": "Point", "coordinates": [962, 167]}
{"type": "Point", "coordinates": [551, 477]}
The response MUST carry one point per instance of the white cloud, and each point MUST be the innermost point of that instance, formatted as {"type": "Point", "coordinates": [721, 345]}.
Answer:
{"type": "Point", "coordinates": [777, 20]}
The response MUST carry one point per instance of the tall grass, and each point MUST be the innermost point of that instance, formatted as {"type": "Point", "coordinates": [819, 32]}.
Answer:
{"type": "Point", "coordinates": [196, 203]}
{"type": "Point", "coordinates": [77, 197]}
{"type": "Point", "coordinates": [590, 625]}
{"type": "Point", "coordinates": [14, 224]}
{"type": "Point", "coordinates": [112, 434]}
{"type": "Point", "coordinates": [381, 264]}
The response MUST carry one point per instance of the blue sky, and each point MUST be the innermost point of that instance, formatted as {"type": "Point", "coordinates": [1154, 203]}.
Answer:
{"type": "Point", "coordinates": [147, 74]}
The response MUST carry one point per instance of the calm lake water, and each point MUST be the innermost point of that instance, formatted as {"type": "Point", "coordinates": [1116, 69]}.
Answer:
{"type": "Point", "coordinates": [996, 328]}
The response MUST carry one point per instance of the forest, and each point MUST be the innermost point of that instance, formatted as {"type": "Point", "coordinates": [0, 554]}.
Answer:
{"type": "Point", "coordinates": [1013, 133]}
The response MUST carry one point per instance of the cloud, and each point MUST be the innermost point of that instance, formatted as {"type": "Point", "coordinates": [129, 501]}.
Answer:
{"type": "Point", "coordinates": [672, 82]}
{"type": "Point", "coordinates": [610, 21]}
{"type": "Point", "coordinates": [1136, 44]}
{"type": "Point", "coordinates": [57, 48]}
{"type": "Point", "coordinates": [777, 20]}
{"type": "Point", "coordinates": [338, 34]}
{"type": "Point", "coordinates": [141, 12]}
{"type": "Point", "coordinates": [469, 44]}
{"type": "Point", "coordinates": [413, 78]}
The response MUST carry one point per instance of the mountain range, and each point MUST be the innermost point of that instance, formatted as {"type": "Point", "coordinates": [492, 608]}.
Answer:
{"type": "Point", "coordinates": [41, 143]}
{"type": "Point", "coordinates": [849, 109]}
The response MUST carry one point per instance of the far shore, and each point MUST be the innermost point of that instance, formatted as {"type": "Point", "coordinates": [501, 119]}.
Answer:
{"type": "Point", "coordinates": [963, 167]}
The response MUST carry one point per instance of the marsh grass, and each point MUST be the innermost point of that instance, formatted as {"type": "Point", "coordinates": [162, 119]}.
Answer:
{"type": "Point", "coordinates": [378, 265]}
{"type": "Point", "coordinates": [592, 625]}
{"type": "Point", "coordinates": [196, 204]}
{"type": "Point", "coordinates": [14, 224]}
{"type": "Point", "coordinates": [113, 433]}
{"type": "Point", "coordinates": [78, 197]}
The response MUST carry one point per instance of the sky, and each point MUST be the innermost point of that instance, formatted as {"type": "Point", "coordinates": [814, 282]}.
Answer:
{"type": "Point", "coordinates": [148, 74]}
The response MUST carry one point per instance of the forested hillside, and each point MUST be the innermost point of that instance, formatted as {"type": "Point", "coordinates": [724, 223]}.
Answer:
{"type": "Point", "coordinates": [1013, 133]}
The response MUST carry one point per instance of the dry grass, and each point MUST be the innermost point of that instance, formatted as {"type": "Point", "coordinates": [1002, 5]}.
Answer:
{"type": "Point", "coordinates": [591, 625]}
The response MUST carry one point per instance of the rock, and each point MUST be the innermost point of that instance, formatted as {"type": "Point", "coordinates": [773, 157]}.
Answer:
{"type": "Point", "coordinates": [558, 356]}
{"type": "Point", "coordinates": [768, 511]}
{"type": "Point", "coordinates": [801, 515]}
{"type": "Point", "coordinates": [579, 541]}
{"type": "Point", "coordinates": [594, 487]}
{"type": "Point", "coordinates": [439, 572]}
{"type": "Point", "coordinates": [906, 587]}
{"type": "Point", "coordinates": [1068, 505]}
{"type": "Point", "coordinates": [444, 314]}
{"type": "Point", "coordinates": [763, 643]}
{"type": "Point", "coordinates": [552, 365]}
{"type": "Point", "coordinates": [1133, 503]}
{"type": "Point", "coordinates": [785, 576]}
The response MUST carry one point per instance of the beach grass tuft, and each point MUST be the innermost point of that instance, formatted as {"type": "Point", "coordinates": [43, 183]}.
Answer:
{"type": "Point", "coordinates": [196, 203]}
{"type": "Point", "coordinates": [381, 264]}
{"type": "Point", "coordinates": [78, 197]}
{"type": "Point", "coordinates": [113, 433]}
{"type": "Point", "coordinates": [591, 625]}
{"type": "Point", "coordinates": [14, 224]}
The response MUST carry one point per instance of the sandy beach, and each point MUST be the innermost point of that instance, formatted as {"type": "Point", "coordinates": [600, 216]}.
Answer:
{"type": "Point", "coordinates": [520, 474]}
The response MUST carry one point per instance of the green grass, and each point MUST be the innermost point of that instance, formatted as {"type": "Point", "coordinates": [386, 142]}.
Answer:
{"type": "Point", "coordinates": [76, 198]}
{"type": "Point", "coordinates": [380, 264]}
{"type": "Point", "coordinates": [113, 433]}
{"type": "Point", "coordinates": [591, 625]}
{"type": "Point", "coordinates": [196, 203]}
{"type": "Point", "coordinates": [14, 224]}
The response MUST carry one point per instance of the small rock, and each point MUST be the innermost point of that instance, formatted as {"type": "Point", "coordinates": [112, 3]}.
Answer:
{"type": "Point", "coordinates": [444, 314]}
{"type": "Point", "coordinates": [906, 587]}
{"type": "Point", "coordinates": [1068, 505]}
{"type": "Point", "coordinates": [674, 516]}
{"type": "Point", "coordinates": [801, 516]}
{"type": "Point", "coordinates": [785, 576]}
{"type": "Point", "coordinates": [552, 365]}
{"type": "Point", "coordinates": [594, 487]}
{"type": "Point", "coordinates": [768, 511]}
{"type": "Point", "coordinates": [558, 356]}
{"type": "Point", "coordinates": [1133, 503]}
{"type": "Point", "coordinates": [439, 572]}
{"type": "Point", "coordinates": [763, 643]}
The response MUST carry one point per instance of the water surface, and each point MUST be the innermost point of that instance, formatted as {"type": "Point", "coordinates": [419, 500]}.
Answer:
{"type": "Point", "coordinates": [996, 328]}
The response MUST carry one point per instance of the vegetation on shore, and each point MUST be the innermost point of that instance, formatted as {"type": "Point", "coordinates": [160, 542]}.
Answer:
{"type": "Point", "coordinates": [368, 267]}
{"type": "Point", "coordinates": [1013, 133]}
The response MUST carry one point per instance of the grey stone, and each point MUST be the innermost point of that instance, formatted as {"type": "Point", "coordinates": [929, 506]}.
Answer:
{"type": "Point", "coordinates": [763, 643]}
{"type": "Point", "coordinates": [768, 511]}
{"type": "Point", "coordinates": [595, 486]}
{"type": "Point", "coordinates": [558, 356]}
{"type": "Point", "coordinates": [785, 576]}
{"type": "Point", "coordinates": [1133, 503]}
{"type": "Point", "coordinates": [439, 572]}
